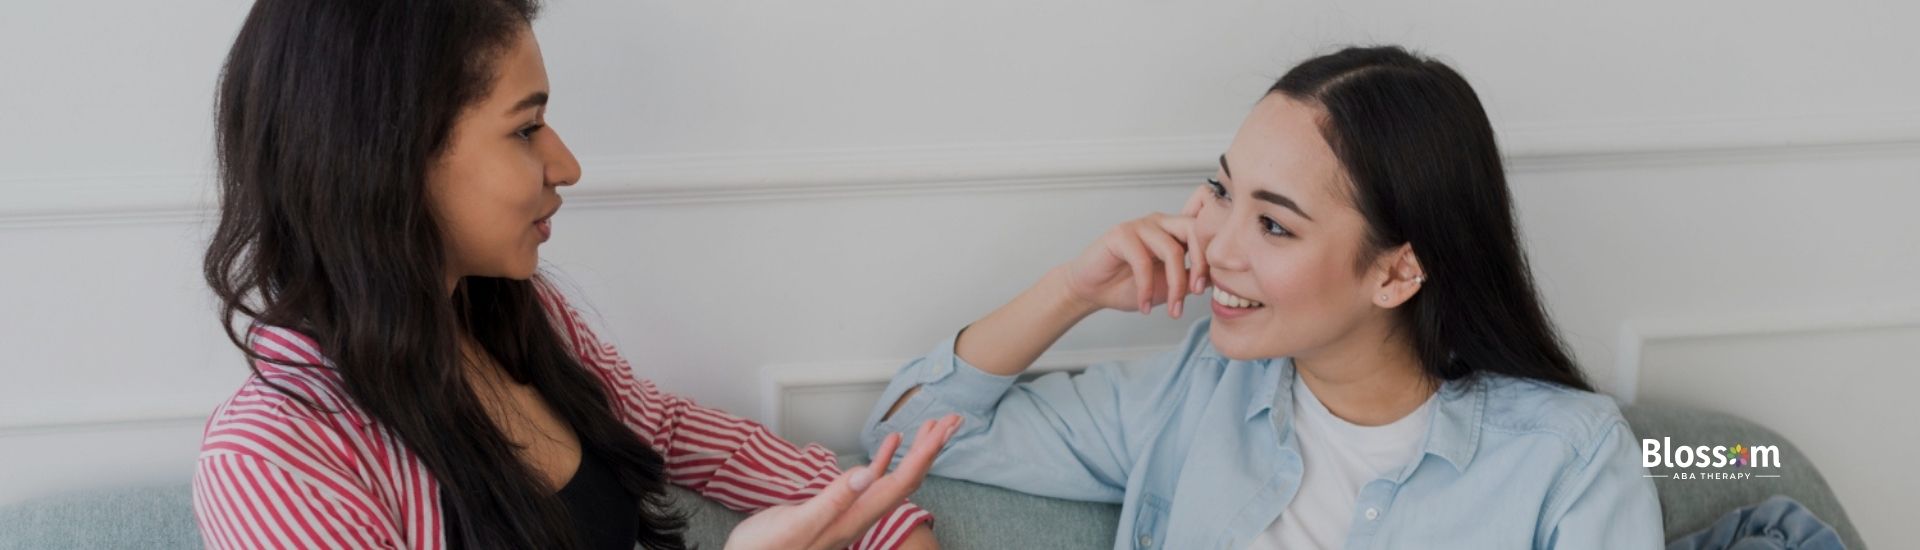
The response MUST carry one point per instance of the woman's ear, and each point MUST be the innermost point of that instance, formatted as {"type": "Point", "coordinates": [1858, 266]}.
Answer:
{"type": "Point", "coordinates": [1402, 276]}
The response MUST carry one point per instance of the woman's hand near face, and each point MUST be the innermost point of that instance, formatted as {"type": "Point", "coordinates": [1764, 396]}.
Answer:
{"type": "Point", "coordinates": [1136, 265]}
{"type": "Point", "coordinates": [1197, 240]}
{"type": "Point", "coordinates": [1157, 259]}
{"type": "Point", "coordinates": [848, 507]}
{"type": "Point", "coordinates": [1132, 267]}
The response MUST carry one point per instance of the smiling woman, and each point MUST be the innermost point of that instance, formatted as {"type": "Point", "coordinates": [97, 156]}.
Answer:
{"type": "Point", "coordinates": [386, 180]}
{"type": "Point", "coordinates": [1378, 371]}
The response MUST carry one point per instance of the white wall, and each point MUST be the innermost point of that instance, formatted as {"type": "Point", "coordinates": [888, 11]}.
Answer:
{"type": "Point", "coordinates": [800, 194]}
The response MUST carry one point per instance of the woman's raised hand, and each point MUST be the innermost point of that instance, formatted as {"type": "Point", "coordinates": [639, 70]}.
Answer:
{"type": "Point", "coordinates": [1143, 263]}
{"type": "Point", "coordinates": [844, 511]}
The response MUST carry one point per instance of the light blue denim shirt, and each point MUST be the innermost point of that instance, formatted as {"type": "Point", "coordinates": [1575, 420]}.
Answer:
{"type": "Point", "coordinates": [1200, 452]}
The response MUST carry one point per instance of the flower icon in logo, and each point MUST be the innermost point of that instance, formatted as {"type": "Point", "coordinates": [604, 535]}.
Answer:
{"type": "Point", "coordinates": [1738, 455]}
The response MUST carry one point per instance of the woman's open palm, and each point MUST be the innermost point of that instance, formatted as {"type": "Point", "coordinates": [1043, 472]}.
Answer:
{"type": "Point", "coordinates": [851, 505]}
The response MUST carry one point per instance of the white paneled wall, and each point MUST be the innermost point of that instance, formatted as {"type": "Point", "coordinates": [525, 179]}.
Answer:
{"type": "Point", "coordinates": [783, 197]}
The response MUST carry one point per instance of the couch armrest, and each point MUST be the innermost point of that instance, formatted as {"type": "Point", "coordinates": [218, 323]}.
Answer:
{"type": "Point", "coordinates": [1692, 505]}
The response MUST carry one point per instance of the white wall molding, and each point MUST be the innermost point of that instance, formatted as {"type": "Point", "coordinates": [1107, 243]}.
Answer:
{"type": "Point", "coordinates": [105, 199]}
{"type": "Point", "coordinates": [1637, 334]}
{"type": "Point", "coordinates": [1546, 143]}
{"type": "Point", "coordinates": [83, 199]}
{"type": "Point", "coordinates": [56, 201]}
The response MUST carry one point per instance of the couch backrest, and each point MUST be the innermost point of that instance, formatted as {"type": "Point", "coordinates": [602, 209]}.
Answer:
{"type": "Point", "coordinates": [969, 515]}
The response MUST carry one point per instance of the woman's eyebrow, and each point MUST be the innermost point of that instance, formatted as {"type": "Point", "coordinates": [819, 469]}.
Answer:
{"type": "Point", "coordinates": [1281, 200]}
{"type": "Point", "coordinates": [1268, 196]}
{"type": "Point", "coordinates": [536, 99]}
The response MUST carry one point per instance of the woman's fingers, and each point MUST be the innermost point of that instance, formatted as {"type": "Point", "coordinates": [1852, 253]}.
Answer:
{"type": "Point", "coordinates": [883, 455]}
{"type": "Point", "coordinates": [1196, 201]}
{"type": "Point", "coordinates": [919, 460]}
{"type": "Point", "coordinates": [1187, 230]}
{"type": "Point", "coordinates": [1196, 242]}
{"type": "Point", "coordinates": [913, 467]}
{"type": "Point", "coordinates": [1172, 257]}
{"type": "Point", "coordinates": [821, 512]}
{"type": "Point", "coordinates": [1177, 227]}
{"type": "Point", "coordinates": [926, 446]}
{"type": "Point", "coordinates": [1197, 256]}
{"type": "Point", "coordinates": [1193, 247]}
{"type": "Point", "coordinates": [1127, 246]}
{"type": "Point", "coordinates": [1131, 259]}
{"type": "Point", "coordinates": [847, 507]}
{"type": "Point", "coordinates": [892, 488]}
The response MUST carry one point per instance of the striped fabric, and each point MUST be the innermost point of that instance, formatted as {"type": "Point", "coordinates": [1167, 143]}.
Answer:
{"type": "Point", "coordinates": [274, 474]}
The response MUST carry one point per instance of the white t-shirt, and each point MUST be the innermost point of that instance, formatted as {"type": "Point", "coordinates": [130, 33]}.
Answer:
{"type": "Point", "coordinates": [1339, 458]}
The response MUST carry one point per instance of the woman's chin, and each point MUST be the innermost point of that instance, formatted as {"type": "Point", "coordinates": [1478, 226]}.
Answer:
{"type": "Point", "coordinates": [1229, 346]}
{"type": "Point", "coordinates": [520, 271]}
{"type": "Point", "coordinates": [1233, 345]}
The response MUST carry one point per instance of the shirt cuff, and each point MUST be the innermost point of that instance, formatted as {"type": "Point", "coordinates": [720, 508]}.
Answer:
{"type": "Point", "coordinates": [947, 384]}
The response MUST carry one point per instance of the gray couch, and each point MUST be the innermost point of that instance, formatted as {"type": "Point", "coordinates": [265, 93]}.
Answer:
{"type": "Point", "coordinates": [968, 515]}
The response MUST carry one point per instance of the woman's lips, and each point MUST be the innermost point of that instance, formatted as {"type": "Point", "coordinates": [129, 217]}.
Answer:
{"type": "Point", "coordinates": [1227, 305]}
{"type": "Point", "coordinates": [545, 225]}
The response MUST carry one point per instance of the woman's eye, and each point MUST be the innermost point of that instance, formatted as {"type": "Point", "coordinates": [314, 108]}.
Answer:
{"type": "Point", "coordinates": [1273, 228]}
{"type": "Point", "coordinates": [526, 134]}
{"type": "Point", "coordinates": [1219, 191]}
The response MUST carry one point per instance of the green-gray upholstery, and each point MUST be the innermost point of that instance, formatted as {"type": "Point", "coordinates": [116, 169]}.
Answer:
{"type": "Point", "coordinates": [1692, 505]}
{"type": "Point", "coordinates": [969, 516]}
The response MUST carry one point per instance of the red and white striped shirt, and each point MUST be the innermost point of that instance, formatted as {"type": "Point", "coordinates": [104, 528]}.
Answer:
{"type": "Point", "coordinates": [275, 474]}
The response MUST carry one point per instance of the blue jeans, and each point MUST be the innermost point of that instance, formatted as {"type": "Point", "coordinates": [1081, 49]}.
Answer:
{"type": "Point", "coordinates": [1777, 523]}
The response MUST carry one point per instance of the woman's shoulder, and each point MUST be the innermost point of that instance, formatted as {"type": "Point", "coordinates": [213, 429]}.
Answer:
{"type": "Point", "coordinates": [294, 409]}
{"type": "Point", "coordinates": [1521, 406]}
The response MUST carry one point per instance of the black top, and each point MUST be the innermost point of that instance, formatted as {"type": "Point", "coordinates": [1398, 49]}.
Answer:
{"type": "Point", "coordinates": [605, 516]}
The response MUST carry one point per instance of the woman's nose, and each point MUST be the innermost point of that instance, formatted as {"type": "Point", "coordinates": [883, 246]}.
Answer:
{"type": "Point", "coordinates": [1223, 249]}
{"type": "Point", "coordinates": [562, 167]}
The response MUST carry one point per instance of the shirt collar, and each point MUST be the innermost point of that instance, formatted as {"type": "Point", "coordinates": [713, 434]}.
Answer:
{"type": "Point", "coordinates": [1457, 415]}
{"type": "Point", "coordinates": [1453, 436]}
{"type": "Point", "coordinates": [1276, 383]}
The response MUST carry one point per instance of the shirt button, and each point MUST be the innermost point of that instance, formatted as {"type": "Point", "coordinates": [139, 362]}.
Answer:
{"type": "Point", "coordinates": [1373, 513]}
{"type": "Point", "coordinates": [1146, 541]}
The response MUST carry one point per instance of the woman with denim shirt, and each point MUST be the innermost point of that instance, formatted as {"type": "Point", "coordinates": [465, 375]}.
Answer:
{"type": "Point", "coordinates": [1378, 371]}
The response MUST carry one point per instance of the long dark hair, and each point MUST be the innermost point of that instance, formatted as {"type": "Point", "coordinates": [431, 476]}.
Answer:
{"type": "Point", "coordinates": [1420, 153]}
{"type": "Point", "coordinates": [329, 114]}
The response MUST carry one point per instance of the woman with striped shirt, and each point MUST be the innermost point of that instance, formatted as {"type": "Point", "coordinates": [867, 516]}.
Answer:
{"type": "Point", "coordinates": [386, 178]}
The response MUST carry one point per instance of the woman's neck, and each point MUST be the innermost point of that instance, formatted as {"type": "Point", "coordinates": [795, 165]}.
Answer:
{"type": "Point", "coordinates": [1367, 379]}
{"type": "Point", "coordinates": [479, 365]}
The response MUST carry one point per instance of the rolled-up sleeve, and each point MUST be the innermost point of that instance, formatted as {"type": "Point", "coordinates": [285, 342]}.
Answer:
{"type": "Point", "coordinates": [1062, 435]}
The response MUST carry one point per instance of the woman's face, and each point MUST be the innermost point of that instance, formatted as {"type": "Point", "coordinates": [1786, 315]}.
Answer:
{"type": "Point", "coordinates": [496, 185]}
{"type": "Point", "coordinates": [1284, 234]}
